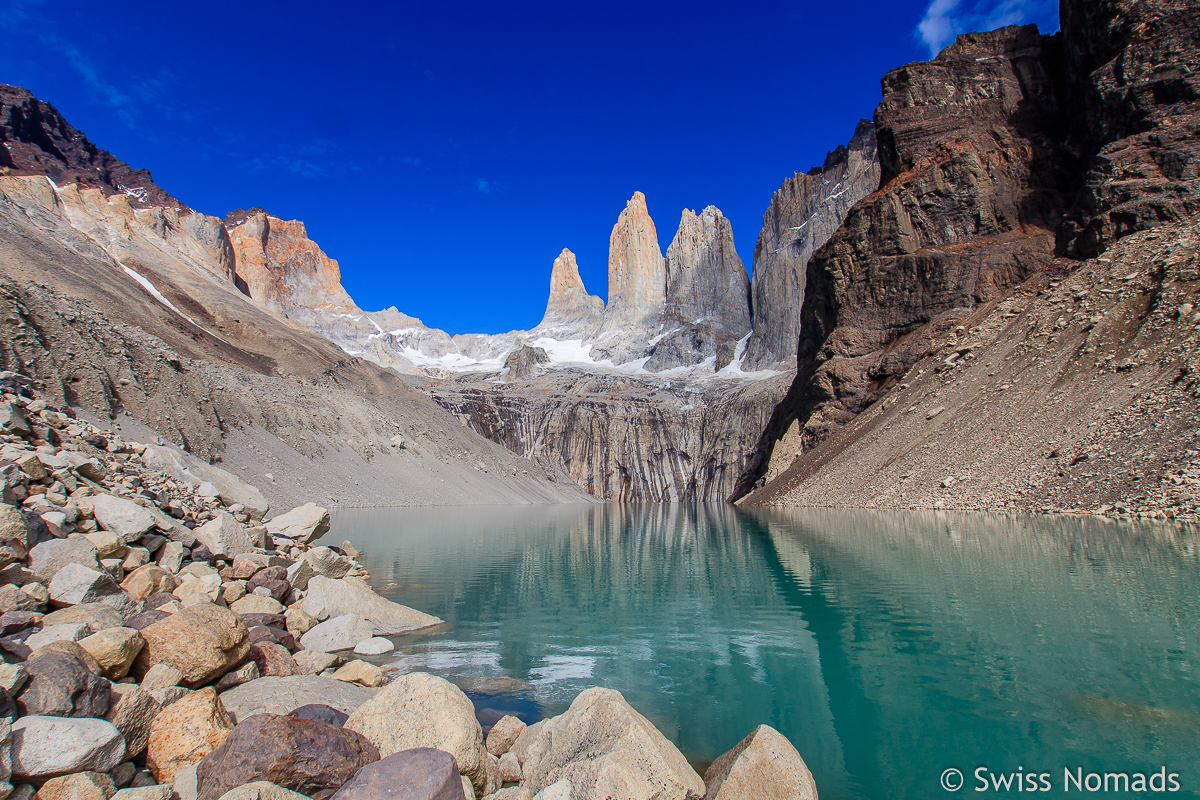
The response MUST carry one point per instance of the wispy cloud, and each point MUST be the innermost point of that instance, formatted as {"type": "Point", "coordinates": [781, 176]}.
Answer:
{"type": "Point", "coordinates": [945, 19]}
{"type": "Point", "coordinates": [483, 186]}
{"type": "Point", "coordinates": [119, 101]}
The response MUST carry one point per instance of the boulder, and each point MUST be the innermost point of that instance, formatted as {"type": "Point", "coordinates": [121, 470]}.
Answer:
{"type": "Point", "coordinates": [504, 734]}
{"type": "Point", "coordinates": [321, 713]}
{"type": "Point", "coordinates": [75, 584]}
{"type": "Point", "coordinates": [114, 650]}
{"type": "Point", "coordinates": [123, 517]}
{"type": "Point", "coordinates": [13, 524]}
{"type": "Point", "coordinates": [261, 620]}
{"type": "Point", "coordinates": [360, 672]}
{"type": "Point", "coordinates": [422, 773]}
{"type": "Point", "coordinates": [274, 636]}
{"type": "Point", "coordinates": [60, 685]}
{"type": "Point", "coordinates": [12, 677]}
{"type": "Point", "coordinates": [510, 768]}
{"type": "Point", "coordinates": [47, 558]}
{"type": "Point", "coordinates": [339, 633]}
{"type": "Point", "coordinates": [97, 617]}
{"type": "Point", "coordinates": [132, 710]}
{"type": "Point", "coordinates": [107, 544]}
{"type": "Point", "coordinates": [73, 650]}
{"type": "Point", "coordinates": [13, 599]}
{"type": "Point", "coordinates": [764, 764]}
{"type": "Point", "coordinates": [201, 642]}
{"type": "Point", "coordinates": [313, 662]}
{"type": "Point", "coordinates": [284, 695]}
{"type": "Point", "coordinates": [422, 710]}
{"type": "Point", "coordinates": [304, 524]}
{"type": "Point", "coordinates": [160, 676]}
{"type": "Point", "coordinates": [512, 793]}
{"type": "Point", "coordinates": [185, 732]}
{"type": "Point", "coordinates": [262, 790]}
{"type": "Point", "coordinates": [193, 591]}
{"type": "Point", "coordinates": [559, 790]}
{"type": "Point", "coordinates": [12, 420]}
{"type": "Point", "coordinates": [184, 786]}
{"type": "Point", "coordinates": [78, 786]}
{"type": "Point", "coordinates": [56, 633]}
{"type": "Point", "coordinates": [298, 623]}
{"type": "Point", "coordinates": [333, 598]}
{"type": "Point", "coordinates": [328, 563]}
{"type": "Point", "coordinates": [236, 677]}
{"type": "Point", "coordinates": [295, 753]}
{"type": "Point", "coordinates": [253, 604]}
{"type": "Point", "coordinates": [605, 748]}
{"type": "Point", "coordinates": [274, 660]}
{"type": "Point", "coordinates": [170, 556]}
{"type": "Point", "coordinates": [45, 747]}
{"type": "Point", "coordinates": [144, 620]}
{"type": "Point", "coordinates": [299, 574]}
{"type": "Point", "coordinates": [147, 580]}
{"type": "Point", "coordinates": [144, 793]}
{"type": "Point", "coordinates": [223, 536]}
{"type": "Point", "coordinates": [376, 646]}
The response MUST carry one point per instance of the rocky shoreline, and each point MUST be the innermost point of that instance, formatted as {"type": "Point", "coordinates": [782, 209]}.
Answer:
{"type": "Point", "coordinates": [162, 642]}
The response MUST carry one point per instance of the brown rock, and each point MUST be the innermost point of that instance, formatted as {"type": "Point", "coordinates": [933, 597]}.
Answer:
{"type": "Point", "coordinates": [132, 711]}
{"type": "Point", "coordinates": [360, 672]}
{"type": "Point", "coordinates": [147, 580]}
{"type": "Point", "coordinates": [273, 660]}
{"type": "Point", "coordinates": [114, 650]}
{"type": "Point", "coordinates": [79, 786]}
{"type": "Point", "coordinates": [295, 753]}
{"type": "Point", "coordinates": [185, 732]}
{"type": "Point", "coordinates": [203, 642]}
{"type": "Point", "coordinates": [504, 734]}
{"type": "Point", "coordinates": [764, 764]}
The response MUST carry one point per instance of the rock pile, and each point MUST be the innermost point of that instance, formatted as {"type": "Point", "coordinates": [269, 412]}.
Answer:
{"type": "Point", "coordinates": [163, 642]}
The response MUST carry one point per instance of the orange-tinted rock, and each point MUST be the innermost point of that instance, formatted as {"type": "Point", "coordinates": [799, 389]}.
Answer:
{"type": "Point", "coordinates": [185, 732]}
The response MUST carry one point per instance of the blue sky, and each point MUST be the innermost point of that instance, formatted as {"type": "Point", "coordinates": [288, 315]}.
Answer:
{"type": "Point", "coordinates": [445, 153]}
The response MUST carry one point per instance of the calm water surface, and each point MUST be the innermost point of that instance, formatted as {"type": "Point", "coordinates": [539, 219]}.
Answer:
{"type": "Point", "coordinates": [887, 647]}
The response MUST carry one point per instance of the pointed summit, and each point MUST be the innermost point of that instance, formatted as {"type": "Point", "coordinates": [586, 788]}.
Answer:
{"type": "Point", "coordinates": [637, 278]}
{"type": "Point", "coordinates": [570, 309]}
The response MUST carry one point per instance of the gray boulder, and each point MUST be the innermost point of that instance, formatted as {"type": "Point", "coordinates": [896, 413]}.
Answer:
{"type": "Point", "coordinates": [284, 695]}
{"type": "Point", "coordinates": [328, 563]}
{"type": "Point", "coordinates": [304, 524]}
{"type": "Point", "coordinates": [605, 748]}
{"type": "Point", "coordinates": [340, 633]}
{"type": "Point", "coordinates": [44, 747]}
{"type": "Point", "coordinates": [123, 517]}
{"type": "Point", "coordinates": [422, 773]}
{"type": "Point", "coordinates": [223, 536]}
{"type": "Point", "coordinates": [47, 558]}
{"type": "Point", "coordinates": [75, 584]}
{"type": "Point", "coordinates": [333, 598]}
{"type": "Point", "coordinates": [13, 524]}
{"type": "Point", "coordinates": [131, 710]}
{"type": "Point", "coordinates": [764, 764]}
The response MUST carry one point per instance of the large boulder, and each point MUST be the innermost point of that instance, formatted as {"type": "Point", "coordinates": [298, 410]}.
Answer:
{"type": "Point", "coordinates": [324, 561]}
{"type": "Point", "coordinates": [60, 685]}
{"type": "Point", "coordinates": [75, 584]}
{"type": "Point", "coordinates": [340, 633]}
{"type": "Point", "coordinates": [47, 558]}
{"type": "Point", "coordinates": [185, 732]}
{"type": "Point", "coordinates": [78, 786]}
{"type": "Point", "coordinates": [606, 749]}
{"type": "Point", "coordinates": [422, 710]}
{"type": "Point", "coordinates": [295, 753]}
{"type": "Point", "coordinates": [284, 695]}
{"type": "Point", "coordinates": [332, 598]}
{"type": "Point", "coordinates": [44, 747]}
{"type": "Point", "coordinates": [422, 773]}
{"type": "Point", "coordinates": [304, 524]}
{"type": "Point", "coordinates": [203, 642]}
{"type": "Point", "coordinates": [132, 710]}
{"type": "Point", "coordinates": [123, 517]}
{"type": "Point", "coordinates": [114, 650]}
{"type": "Point", "coordinates": [764, 764]}
{"type": "Point", "coordinates": [223, 536]}
{"type": "Point", "coordinates": [504, 735]}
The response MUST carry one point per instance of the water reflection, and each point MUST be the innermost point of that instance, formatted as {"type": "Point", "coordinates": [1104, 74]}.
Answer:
{"type": "Point", "coordinates": [886, 646]}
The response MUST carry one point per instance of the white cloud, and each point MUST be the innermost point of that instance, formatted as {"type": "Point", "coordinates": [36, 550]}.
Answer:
{"type": "Point", "coordinates": [945, 19]}
{"type": "Point", "coordinates": [483, 186]}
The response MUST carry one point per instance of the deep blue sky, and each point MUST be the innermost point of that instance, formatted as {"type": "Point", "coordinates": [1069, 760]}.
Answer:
{"type": "Point", "coordinates": [445, 153]}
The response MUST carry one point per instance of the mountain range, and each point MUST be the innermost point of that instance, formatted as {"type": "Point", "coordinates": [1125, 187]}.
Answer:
{"type": "Point", "coordinates": [986, 287]}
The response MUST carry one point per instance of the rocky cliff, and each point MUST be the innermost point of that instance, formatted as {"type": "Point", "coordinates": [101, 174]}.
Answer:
{"type": "Point", "coordinates": [570, 310]}
{"type": "Point", "coordinates": [990, 167]}
{"type": "Point", "coordinates": [802, 216]}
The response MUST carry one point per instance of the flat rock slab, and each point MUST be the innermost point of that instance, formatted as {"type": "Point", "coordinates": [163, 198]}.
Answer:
{"type": "Point", "coordinates": [123, 517]}
{"type": "Point", "coordinates": [333, 598]}
{"type": "Point", "coordinates": [284, 695]}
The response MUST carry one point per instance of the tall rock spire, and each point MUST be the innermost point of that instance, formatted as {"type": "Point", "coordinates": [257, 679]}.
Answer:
{"type": "Point", "coordinates": [637, 282]}
{"type": "Point", "coordinates": [707, 307]}
{"type": "Point", "coordinates": [570, 311]}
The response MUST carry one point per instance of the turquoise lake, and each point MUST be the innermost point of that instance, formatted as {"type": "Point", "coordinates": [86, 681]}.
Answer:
{"type": "Point", "coordinates": [887, 646]}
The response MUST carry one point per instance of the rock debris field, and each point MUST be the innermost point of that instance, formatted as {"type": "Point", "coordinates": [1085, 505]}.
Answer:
{"type": "Point", "coordinates": [164, 638]}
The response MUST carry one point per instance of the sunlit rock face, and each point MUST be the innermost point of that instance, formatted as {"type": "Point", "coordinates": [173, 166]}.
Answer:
{"type": "Point", "coordinates": [570, 310]}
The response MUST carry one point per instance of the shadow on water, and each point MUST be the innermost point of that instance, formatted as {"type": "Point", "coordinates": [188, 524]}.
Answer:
{"type": "Point", "coordinates": [885, 646]}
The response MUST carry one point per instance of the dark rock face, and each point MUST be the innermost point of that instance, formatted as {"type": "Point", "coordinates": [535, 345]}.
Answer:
{"type": "Point", "coordinates": [321, 713]}
{"type": "Point", "coordinates": [994, 157]}
{"type": "Point", "coordinates": [804, 213]}
{"type": "Point", "coordinates": [273, 660]}
{"type": "Point", "coordinates": [422, 773]}
{"type": "Point", "coordinates": [36, 140]}
{"type": "Point", "coordinates": [523, 361]}
{"type": "Point", "coordinates": [60, 685]}
{"type": "Point", "coordinates": [295, 753]}
{"type": "Point", "coordinates": [1132, 90]}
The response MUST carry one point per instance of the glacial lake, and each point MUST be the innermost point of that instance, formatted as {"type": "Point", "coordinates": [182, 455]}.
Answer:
{"type": "Point", "coordinates": [888, 647]}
